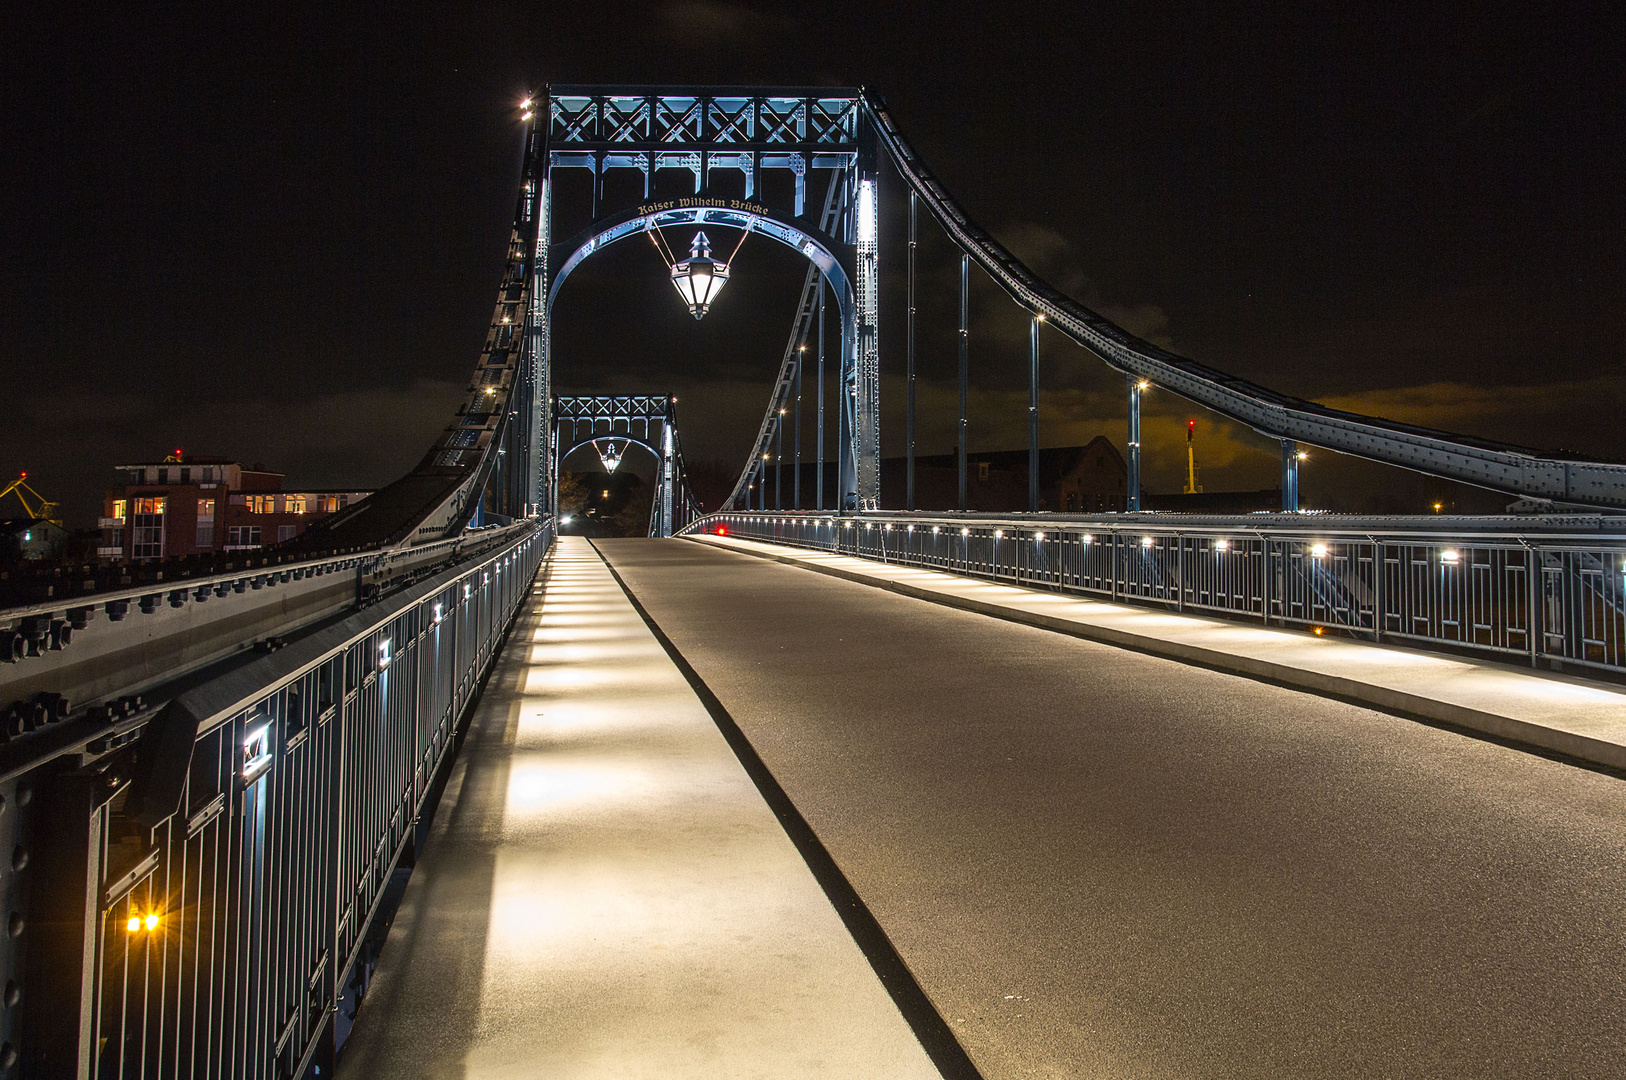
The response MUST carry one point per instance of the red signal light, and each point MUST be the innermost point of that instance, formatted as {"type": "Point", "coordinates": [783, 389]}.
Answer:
{"type": "Point", "coordinates": [722, 530]}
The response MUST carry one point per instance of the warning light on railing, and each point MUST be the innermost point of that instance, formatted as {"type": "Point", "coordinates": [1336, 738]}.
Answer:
{"type": "Point", "coordinates": [722, 530]}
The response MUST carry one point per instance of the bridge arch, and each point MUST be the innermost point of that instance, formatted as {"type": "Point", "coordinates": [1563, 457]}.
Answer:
{"type": "Point", "coordinates": [811, 245]}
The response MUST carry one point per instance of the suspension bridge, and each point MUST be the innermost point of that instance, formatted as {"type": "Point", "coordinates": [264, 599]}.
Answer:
{"type": "Point", "coordinates": [829, 788]}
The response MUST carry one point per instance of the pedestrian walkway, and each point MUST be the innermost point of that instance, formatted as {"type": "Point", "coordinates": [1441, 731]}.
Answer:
{"type": "Point", "coordinates": [606, 894]}
{"type": "Point", "coordinates": [1586, 720]}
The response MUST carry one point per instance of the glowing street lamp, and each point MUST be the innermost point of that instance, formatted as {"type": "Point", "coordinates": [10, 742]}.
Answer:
{"type": "Point", "coordinates": [699, 278]}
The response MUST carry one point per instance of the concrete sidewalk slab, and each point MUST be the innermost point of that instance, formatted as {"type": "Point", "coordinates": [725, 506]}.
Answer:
{"type": "Point", "coordinates": [605, 892]}
{"type": "Point", "coordinates": [1570, 716]}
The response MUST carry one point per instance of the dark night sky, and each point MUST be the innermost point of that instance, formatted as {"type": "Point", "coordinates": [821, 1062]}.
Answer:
{"type": "Point", "coordinates": [277, 236]}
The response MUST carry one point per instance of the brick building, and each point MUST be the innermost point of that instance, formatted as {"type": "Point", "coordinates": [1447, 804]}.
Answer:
{"type": "Point", "coordinates": [185, 505]}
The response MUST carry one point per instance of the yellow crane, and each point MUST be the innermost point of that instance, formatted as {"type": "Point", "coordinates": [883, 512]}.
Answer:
{"type": "Point", "coordinates": [42, 509]}
{"type": "Point", "coordinates": [1192, 487]}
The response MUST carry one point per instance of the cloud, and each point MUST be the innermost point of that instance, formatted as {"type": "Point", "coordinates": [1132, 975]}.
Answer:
{"type": "Point", "coordinates": [1544, 417]}
{"type": "Point", "coordinates": [1052, 256]}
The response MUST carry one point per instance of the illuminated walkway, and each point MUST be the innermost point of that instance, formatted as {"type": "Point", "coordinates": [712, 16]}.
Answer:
{"type": "Point", "coordinates": [1582, 718]}
{"type": "Point", "coordinates": [605, 893]}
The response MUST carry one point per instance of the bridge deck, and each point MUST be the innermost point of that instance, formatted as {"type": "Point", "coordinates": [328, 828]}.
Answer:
{"type": "Point", "coordinates": [605, 893]}
{"type": "Point", "coordinates": [1582, 718]}
{"type": "Point", "coordinates": [1100, 862]}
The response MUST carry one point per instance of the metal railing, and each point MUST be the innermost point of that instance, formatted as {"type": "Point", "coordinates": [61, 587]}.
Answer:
{"type": "Point", "coordinates": [1547, 592]}
{"type": "Point", "coordinates": [210, 881]}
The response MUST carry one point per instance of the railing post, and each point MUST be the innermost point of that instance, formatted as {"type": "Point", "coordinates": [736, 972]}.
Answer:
{"type": "Point", "coordinates": [1378, 600]}
{"type": "Point", "coordinates": [1268, 576]}
{"type": "Point", "coordinates": [1537, 589]}
{"type": "Point", "coordinates": [1180, 573]}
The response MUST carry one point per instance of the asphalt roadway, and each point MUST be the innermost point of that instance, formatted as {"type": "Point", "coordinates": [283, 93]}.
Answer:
{"type": "Point", "coordinates": [1098, 863]}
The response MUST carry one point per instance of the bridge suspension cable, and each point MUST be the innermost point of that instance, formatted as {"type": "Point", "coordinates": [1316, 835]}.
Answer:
{"type": "Point", "coordinates": [1483, 463]}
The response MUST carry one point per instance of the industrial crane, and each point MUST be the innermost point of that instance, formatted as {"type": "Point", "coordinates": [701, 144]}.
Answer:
{"type": "Point", "coordinates": [42, 509]}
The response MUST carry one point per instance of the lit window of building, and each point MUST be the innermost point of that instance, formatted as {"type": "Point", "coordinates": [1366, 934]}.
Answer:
{"type": "Point", "coordinates": [147, 522]}
{"type": "Point", "coordinates": [296, 504]}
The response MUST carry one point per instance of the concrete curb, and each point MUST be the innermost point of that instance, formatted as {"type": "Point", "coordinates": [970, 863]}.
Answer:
{"type": "Point", "coordinates": [1387, 699]}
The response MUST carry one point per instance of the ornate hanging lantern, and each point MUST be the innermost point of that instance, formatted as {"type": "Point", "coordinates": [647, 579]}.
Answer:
{"type": "Point", "coordinates": [609, 455]}
{"type": "Point", "coordinates": [699, 278]}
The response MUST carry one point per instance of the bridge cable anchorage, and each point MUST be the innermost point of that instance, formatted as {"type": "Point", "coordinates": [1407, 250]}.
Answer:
{"type": "Point", "coordinates": [1514, 470]}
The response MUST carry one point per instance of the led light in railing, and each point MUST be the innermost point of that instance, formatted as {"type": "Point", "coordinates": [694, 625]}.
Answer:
{"type": "Point", "coordinates": [438, 614]}
{"type": "Point", "coordinates": [846, 524]}
{"type": "Point", "coordinates": [965, 532]}
{"type": "Point", "coordinates": [1318, 551]}
{"type": "Point", "coordinates": [887, 527]}
{"type": "Point", "coordinates": [1088, 539]}
{"type": "Point", "coordinates": [936, 530]}
{"type": "Point", "coordinates": [1039, 536]}
{"type": "Point", "coordinates": [1450, 556]}
{"type": "Point", "coordinates": [911, 528]}
{"type": "Point", "coordinates": [1146, 541]}
{"type": "Point", "coordinates": [999, 534]}
{"type": "Point", "coordinates": [151, 921]}
{"type": "Point", "coordinates": [256, 751]}
{"type": "Point", "coordinates": [134, 925]}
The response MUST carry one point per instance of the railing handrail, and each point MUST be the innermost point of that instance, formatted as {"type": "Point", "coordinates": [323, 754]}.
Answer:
{"type": "Point", "coordinates": [1516, 529]}
{"type": "Point", "coordinates": [377, 556]}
